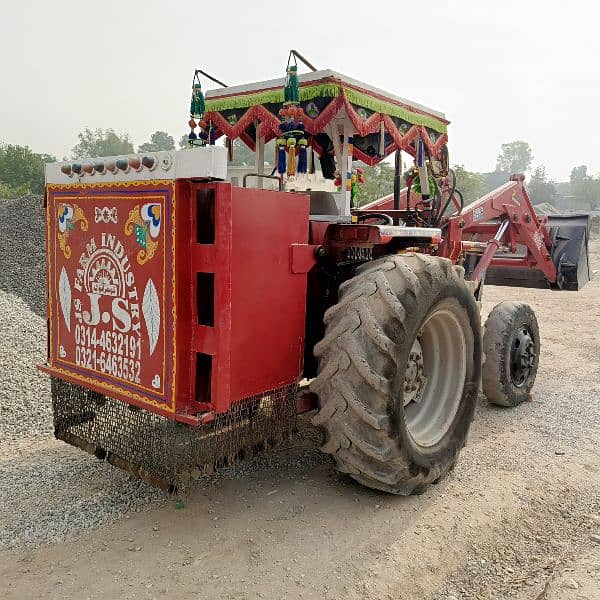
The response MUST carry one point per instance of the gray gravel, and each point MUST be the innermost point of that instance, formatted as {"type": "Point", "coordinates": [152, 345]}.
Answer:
{"type": "Point", "coordinates": [25, 409]}
{"type": "Point", "coordinates": [51, 493]}
{"type": "Point", "coordinates": [24, 392]}
{"type": "Point", "coordinates": [72, 491]}
{"type": "Point", "coordinates": [22, 250]}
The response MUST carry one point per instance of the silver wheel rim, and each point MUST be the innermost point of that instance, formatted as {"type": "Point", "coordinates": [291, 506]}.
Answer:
{"type": "Point", "coordinates": [435, 377]}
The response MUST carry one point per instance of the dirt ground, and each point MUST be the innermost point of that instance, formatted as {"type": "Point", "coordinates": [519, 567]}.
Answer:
{"type": "Point", "coordinates": [517, 518]}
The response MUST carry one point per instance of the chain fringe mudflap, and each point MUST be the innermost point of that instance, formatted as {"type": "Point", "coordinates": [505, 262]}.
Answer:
{"type": "Point", "coordinates": [163, 452]}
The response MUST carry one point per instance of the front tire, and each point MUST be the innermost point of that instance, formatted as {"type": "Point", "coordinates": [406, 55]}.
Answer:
{"type": "Point", "coordinates": [511, 344]}
{"type": "Point", "coordinates": [399, 371]}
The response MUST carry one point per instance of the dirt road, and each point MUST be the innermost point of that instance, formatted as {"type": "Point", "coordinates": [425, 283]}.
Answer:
{"type": "Point", "coordinates": [516, 518]}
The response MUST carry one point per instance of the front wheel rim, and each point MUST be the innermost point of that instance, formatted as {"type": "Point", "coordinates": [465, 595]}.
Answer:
{"type": "Point", "coordinates": [430, 411]}
{"type": "Point", "coordinates": [522, 356]}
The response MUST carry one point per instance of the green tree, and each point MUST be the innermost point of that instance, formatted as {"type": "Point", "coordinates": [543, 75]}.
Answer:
{"type": "Point", "coordinates": [584, 186]}
{"type": "Point", "coordinates": [379, 182]}
{"type": "Point", "coordinates": [515, 157]}
{"type": "Point", "coordinates": [159, 140]}
{"type": "Point", "coordinates": [21, 170]}
{"type": "Point", "coordinates": [470, 184]}
{"type": "Point", "coordinates": [578, 173]}
{"type": "Point", "coordinates": [541, 189]}
{"type": "Point", "coordinates": [101, 142]}
{"type": "Point", "coordinates": [184, 142]}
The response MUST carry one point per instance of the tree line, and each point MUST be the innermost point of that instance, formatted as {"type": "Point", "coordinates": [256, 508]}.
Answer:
{"type": "Point", "coordinates": [514, 157]}
{"type": "Point", "coordinates": [22, 170]}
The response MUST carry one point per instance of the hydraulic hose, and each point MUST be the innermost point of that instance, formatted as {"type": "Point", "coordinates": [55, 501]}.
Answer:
{"type": "Point", "coordinates": [440, 214]}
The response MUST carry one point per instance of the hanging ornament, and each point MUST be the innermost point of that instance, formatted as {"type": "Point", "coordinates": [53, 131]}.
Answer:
{"type": "Point", "coordinates": [292, 140]}
{"type": "Point", "coordinates": [291, 91]}
{"type": "Point", "coordinates": [357, 179]}
{"type": "Point", "coordinates": [197, 109]}
{"type": "Point", "coordinates": [203, 135]}
{"type": "Point", "coordinates": [302, 167]}
{"type": "Point", "coordinates": [198, 105]}
{"type": "Point", "coordinates": [291, 150]}
{"type": "Point", "coordinates": [281, 164]}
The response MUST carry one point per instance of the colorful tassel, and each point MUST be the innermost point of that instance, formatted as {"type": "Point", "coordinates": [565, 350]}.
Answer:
{"type": "Point", "coordinates": [302, 156]}
{"type": "Point", "coordinates": [354, 192]}
{"type": "Point", "coordinates": [281, 166]}
{"type": "Point", "coordinates": [291, 166]}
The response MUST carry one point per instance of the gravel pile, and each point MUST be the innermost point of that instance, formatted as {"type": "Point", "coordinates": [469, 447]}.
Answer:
{"type": "Point", "coordinates": [25, 409]}
{"type": "Point", "coordinates": [22, 250]}
{"type": "Point", "coordinates": [73, 491]}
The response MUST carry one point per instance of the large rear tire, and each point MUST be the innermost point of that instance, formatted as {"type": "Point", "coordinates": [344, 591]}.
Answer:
{"type": "Point", "coordinates": [511, 345]}
{"type": "Point", "coordinates": [399, 371]}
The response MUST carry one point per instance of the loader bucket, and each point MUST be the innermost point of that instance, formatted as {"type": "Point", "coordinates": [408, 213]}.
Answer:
{"type": "Point", "coordinates": [569, 252]}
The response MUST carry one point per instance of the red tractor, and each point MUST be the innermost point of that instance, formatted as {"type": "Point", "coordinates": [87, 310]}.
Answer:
{"type": "Point", "coordinates": [190, 320]}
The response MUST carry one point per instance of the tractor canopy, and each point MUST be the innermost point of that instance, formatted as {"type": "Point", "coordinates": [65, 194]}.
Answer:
{"type": "Point", "coordinates": [380, 122]}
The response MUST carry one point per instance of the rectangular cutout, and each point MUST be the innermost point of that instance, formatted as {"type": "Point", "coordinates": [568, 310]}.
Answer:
{"type": "Point", "coordinates": [205, 298]}
{"type": "Point", "coordinates": [205, 216]}
{"type": "Point", "coordinates": [203, 377]}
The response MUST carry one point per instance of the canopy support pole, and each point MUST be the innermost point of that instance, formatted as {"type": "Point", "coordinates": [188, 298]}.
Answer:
{"type": "Point", "coordinates": [260, 159]}
{"type": "Point", "coordinates": [345, 165]}
{"type": "Point", "coordinates": [397, 183]}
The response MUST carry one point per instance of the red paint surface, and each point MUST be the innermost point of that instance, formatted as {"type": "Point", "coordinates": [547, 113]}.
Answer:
{"type": "Point", "coordinates": [257, 340]}
{"type": "Point", "coordinates": [100, 277]}
{"type": "Point", "coordinates": [257, 337]}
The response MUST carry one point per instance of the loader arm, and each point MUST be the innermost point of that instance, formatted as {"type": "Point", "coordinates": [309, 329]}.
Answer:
{"type": "Point", "coordinates": [506, 217]}
{"type": "Point", "coordinates": [518, 247]}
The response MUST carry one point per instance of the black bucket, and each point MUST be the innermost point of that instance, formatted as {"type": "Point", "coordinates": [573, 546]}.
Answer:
{"type": "Point", "coordinates": [569, 235]}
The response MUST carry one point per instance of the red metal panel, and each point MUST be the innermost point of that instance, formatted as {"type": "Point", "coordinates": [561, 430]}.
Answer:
{"type": "Point", "coordinates": [255, 342]}
{"type": "Point", "coordinates": [111, 260]}
{"type": "Point", "coordinates": [268, 301]}
{"type": "Point", "coordinates": [204, 295]}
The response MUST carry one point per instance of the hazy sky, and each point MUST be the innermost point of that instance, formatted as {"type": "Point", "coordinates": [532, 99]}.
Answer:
{"type": "Point", "coordinates": [501, 70]}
